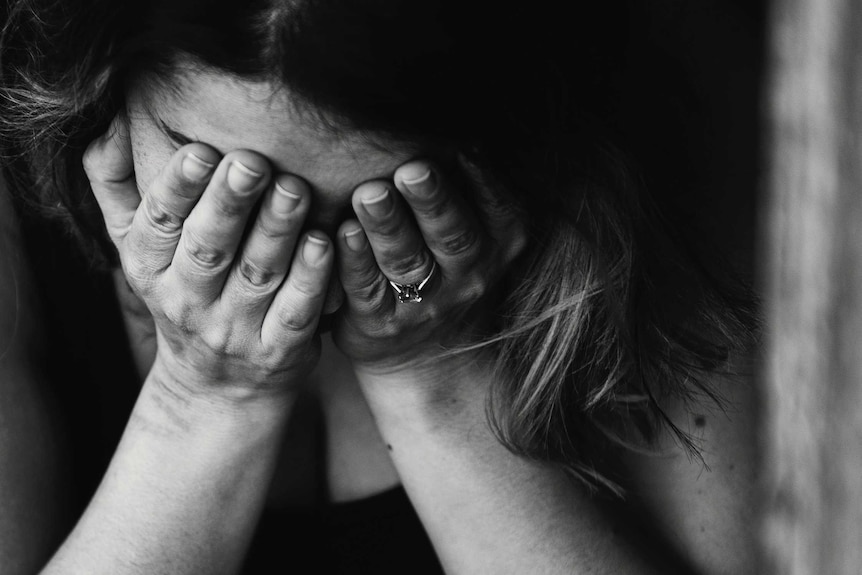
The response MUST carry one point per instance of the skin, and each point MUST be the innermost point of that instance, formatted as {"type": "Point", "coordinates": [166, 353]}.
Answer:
{"type": "Point", "coordinates": [182, 254]}
{"type": "Point", "coordinates": [262, 119]}
{"type": "Point", "coordinates": [333, 174]}
{"type": "Point", "coordinates": [236, 318]}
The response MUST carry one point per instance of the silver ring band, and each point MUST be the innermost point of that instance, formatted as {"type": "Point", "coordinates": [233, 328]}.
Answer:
{"type": "Point", "coordinates": [412, 293]}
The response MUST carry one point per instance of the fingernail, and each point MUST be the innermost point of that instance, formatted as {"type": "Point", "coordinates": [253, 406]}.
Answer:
{"type": "Point", "coordinates": [195, 168]}
{"type": "Point", "coordinates": [355, 239]}
{"type": "Point", "coordinates": [380, 205]}
{"type": "Point", "coordinates": [314, 249]}
{"type": "Point", "coordinates": [422, 182]}
{"type": "Point", "coordinates": [241, 178]}
{"type": "Point", "coordinates": [283, 200]}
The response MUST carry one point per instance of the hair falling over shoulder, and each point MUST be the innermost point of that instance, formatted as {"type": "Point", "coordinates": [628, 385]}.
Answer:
{"type": "Point", "coordinates": [610, 314]}
{"type": "Point", "coordinates": [611, 318]}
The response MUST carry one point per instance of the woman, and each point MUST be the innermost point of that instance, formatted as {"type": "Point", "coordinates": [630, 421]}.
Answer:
{"type": "Point", "coordinates": [442, 199]}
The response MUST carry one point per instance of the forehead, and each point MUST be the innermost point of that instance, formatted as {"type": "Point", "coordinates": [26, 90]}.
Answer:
{"type": "Point", "coordinates": [230, 113]}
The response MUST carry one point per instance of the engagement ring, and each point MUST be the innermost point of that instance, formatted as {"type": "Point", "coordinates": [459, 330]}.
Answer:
{"type": "Point", "coordinates": [412, 293]}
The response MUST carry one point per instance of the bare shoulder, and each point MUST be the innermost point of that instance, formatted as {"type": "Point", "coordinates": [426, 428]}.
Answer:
{"type": "Point", "coordinates": [707, 508]}
{"type": "Point", "coordinates": [30, 469]}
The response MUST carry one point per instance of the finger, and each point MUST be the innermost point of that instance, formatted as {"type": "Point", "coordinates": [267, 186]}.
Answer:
{"type": "Point", "coordinates": [449, 229]}
{"type": "Point", "coordinates": [111, 171]}
{"type": "Point", "coordinates": [504, 220]}
{"type": "Point", "coordinates": [366, 289]}
{"type": "Point", "coordinates": [212, 232]}
{"type": "Point", "coordinates": [266, 253]}
{"type": "Point", "coordinates": [397, 244]}
{"type": "Point", "coordinates": [295, 310]}
{"type": "Point", "coordinates": [155, 231]}
{"type": "Point", "coordinates": [334, 295]}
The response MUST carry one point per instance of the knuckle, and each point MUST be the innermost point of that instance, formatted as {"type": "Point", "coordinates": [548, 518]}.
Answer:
{"type": "Point", "coordinates": [434, 315]}
{"type": "Point", "coordinates": [272, 229]}
{"type": "Point", "coordinates": [407, 267]}
{"type": "Point", "coordinates": [366, 284]}
{"type": "Point", "coordinates": [498, 209]}
{"type": "Point", "coordinates": [217, 338]}
{"type": "Point", "coordinates": [472, 290]}
{"type": "Point", "coordinates": [295, 318]}
{"type": "Point", "coordinates": [476, 289]}
{"type": "Point", "coordinates": [433, 208]}
{"type": "Point", "coordinates": [389, 330]}
{"type": "Point", "coordinates": [160, 218]}
{"type": "Point", "coordinates": [371, 290]}
{"type": "Point", "coordinates": [206, 257]}
{"type": "Point", "coordinates": [231, 206]}
{"type": "Point", "coordinates": [255, 276]}
{"type": "Point", "coordinates": [178, 314]}
{"type": "Point", "coordinates": [457, 243]}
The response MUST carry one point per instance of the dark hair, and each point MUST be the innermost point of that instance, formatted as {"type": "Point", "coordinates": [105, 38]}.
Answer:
{"type": "Point", "coordinates": [610, 314]}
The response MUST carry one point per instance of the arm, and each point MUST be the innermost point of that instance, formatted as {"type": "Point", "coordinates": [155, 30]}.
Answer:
{"type": "Point", "coordinates": [184, 489]}
{"type": "Point", "coordinates": [187, 482]}
{"type": "Point", "coordinates": [485, 509]}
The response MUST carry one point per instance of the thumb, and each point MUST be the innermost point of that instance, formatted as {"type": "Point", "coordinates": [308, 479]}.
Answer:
{"type": "Point", "coordinates": [109, 167]}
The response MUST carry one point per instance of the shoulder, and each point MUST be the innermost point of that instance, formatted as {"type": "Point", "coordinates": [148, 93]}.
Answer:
{"type": "Point", "coordinates": [705, 506]}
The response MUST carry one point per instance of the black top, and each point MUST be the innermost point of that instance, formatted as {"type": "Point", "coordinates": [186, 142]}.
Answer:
{"type": "Point", "coordinates": [377, 535]}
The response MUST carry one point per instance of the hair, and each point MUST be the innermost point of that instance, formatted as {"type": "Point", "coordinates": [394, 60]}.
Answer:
{"type": "Point", "coordinates": [610, 314]}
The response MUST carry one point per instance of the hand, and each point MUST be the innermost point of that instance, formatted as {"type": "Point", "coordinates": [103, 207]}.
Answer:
{"type": "Point", "coordinates": [236, 310]}
{"type": "Point", "coordinates": [402, 233]}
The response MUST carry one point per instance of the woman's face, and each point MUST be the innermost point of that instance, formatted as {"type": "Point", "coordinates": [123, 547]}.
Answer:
{"type": "Point", "coordinates": [230, 114]}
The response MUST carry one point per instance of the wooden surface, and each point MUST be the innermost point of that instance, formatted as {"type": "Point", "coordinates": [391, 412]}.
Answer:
{"type": "Point", "coordinates": [813, 257]}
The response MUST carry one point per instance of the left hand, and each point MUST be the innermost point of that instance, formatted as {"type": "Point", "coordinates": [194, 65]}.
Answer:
{"type": "Point", "coordinates": [402, 230]}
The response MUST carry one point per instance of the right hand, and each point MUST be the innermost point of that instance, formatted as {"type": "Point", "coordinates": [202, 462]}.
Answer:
{"type": "Point", "coordinates": [236, 311]}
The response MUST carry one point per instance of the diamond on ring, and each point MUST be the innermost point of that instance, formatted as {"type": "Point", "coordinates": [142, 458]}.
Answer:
{"type": "Point", "coordinates": [412, 293]}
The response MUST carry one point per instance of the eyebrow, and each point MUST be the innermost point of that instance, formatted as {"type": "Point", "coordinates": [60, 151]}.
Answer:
{"type": "Point", "coordinates": [177, 137]}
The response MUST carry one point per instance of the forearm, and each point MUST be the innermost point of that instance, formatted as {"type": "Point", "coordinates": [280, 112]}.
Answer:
{"type": "Point", "coordinates": [485, 509]}
{"type": "Point", "coordinates": [184, 490]}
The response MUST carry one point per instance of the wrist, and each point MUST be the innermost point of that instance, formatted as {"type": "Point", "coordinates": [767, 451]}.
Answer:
{"type": "Point", "coordinates": [169, 401]}
{"type": "Point", "coordinates": [442, 392]}
{"type": "Point", "coordinates": [191, 389]}
{"type": "Point", "coordinates": [185, 486]}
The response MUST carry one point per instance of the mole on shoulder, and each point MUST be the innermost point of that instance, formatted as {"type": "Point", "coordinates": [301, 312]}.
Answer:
{"type": "Point", "coordinates": [700, 420]}
{"type": "Point", "coordinates": [389, 446]}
